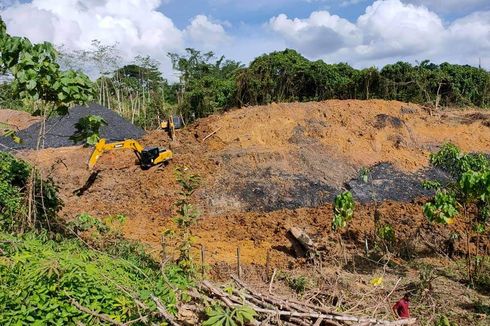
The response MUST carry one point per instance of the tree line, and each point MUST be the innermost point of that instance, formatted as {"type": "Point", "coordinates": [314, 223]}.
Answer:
{"type": "Point", "coordinates": [287, 76]}
{"type": "Point", "coordinates": [209, 84]}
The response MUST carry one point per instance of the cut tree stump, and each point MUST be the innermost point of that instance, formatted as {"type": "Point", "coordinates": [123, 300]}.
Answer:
{"type": "Point", "coordinates": [301, 242]}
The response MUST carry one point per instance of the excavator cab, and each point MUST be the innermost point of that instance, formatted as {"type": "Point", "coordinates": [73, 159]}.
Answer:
{"type": "Point", "coordinates": [148, 156]}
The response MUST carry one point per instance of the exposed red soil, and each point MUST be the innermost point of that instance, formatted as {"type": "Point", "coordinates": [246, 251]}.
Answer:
{"type": "Point", "coordinates": [15, 120]}
{"type": "Point", "coordinates": [328, 141]}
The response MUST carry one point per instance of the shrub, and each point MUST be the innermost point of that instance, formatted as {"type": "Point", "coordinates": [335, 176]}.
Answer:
{"type": "Point", "coordinates": [18, 181]}
{"type": "Point", "coordinates": [343, 210]}
{"type": "Point", "coordinates": [46, 282]}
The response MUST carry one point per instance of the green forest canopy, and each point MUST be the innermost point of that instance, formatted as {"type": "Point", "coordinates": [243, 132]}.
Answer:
{"type": "Point", "coordinates": [209, 84]}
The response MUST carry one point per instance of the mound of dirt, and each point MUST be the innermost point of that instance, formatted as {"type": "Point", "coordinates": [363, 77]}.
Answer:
{"type": "Point", "coordinates": [302, 154]}
{"type": "Point", "coordinates": [269, 167]}
{"type": "Point", "coordinates": [60, 129]}
{"type": "Point", "coordinates": [15, 120]}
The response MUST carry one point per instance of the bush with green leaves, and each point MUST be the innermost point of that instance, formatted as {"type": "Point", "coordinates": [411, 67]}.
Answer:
{"type": "Point", "coordinates": [15, 180]}
{"type": "Point", "coordinates": [444, 321]}
{"type": "Point", "coordinates": [298, 283]}
{"type": "Point", "coordinates": [343, 210]}
{"type": "Point", "coordinates": [468, 194]}
{"type": "Point", "coordinates": [442, 208]}
{"type": "Point", "coordinates": [37, 77]}
{"type": "Point", "coordinates": [47, 282]}
{"type": "Point", "coordinates": [219, 316]}
{"type": "Point", "coordinates": [386, 233]}
{"type": "Point", "coordinates": [88, 129]}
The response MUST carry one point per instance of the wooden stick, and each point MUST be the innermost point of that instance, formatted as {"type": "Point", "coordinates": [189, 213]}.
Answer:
{"type": "Point", "coordinates": [238, 265]}
{"type": "Point", "coordinates": [298, 321]}
{"type": "Point", "coordinates": [332, 323]}
{"type": "Point", "coordinates": [272, 281]}
{"type": "Point", "coordinates": [204, 139]}
{"type": "Point", "coordinates": [163, 311]}
{"type": "Point", "coordinates": [102, 317]}
{"type": "Point", "coordinates": [267, 264]}
{"type": "Point", "coordinates": [202, 262]}
{"type": "Point", "coordinates": [318, 322]}
{"type": "Point", "coordinates": [290, 304]}
{"type": "Point", "coordinates": [226, 299]}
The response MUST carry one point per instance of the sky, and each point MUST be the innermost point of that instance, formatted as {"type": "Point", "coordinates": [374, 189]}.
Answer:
{"type": "Point", "coordinates": [362, 33]}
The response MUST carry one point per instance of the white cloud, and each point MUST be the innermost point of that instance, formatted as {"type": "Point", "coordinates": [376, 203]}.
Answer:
{"type": "Point", "coordinates": [392, 28]}
{"type": "Point", "coordinates": [135, 25]}
{"type": "Point", "coordinates": [469, 37]}
{"type": "Point", "coordinates": [342, 3]}
{"type": "Point", "coordinates": [205, 34]}
{"type": "Point", "coordinates": [388, 31]}
{"type": "Point", "coordinates": [319, 33]}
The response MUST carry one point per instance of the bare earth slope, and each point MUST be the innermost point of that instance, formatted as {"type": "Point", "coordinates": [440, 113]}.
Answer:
{"type": "Point", "coordinates": [268, 168]}
{"type": "Point", "coordinates": [288, 159]}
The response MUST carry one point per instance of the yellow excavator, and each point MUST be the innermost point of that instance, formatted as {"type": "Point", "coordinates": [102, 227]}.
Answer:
{"type": "Point", "coordinates": [172, 123]}
{"type": "Point", "coordinates": [147, 156]}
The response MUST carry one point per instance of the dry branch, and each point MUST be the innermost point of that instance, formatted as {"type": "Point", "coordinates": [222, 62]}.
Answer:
{"type": "Point", "coordinates": [204, 139]}
{"type": "Point", "coordinates": [163, 311]}
{"type": "Point", "coordinates": [290, 312]}
{"type": "Point", "coordinates": [102, 317]}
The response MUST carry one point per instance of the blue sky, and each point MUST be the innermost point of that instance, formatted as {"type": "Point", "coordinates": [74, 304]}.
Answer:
{"type": "Point", "coordinates": [361, 32]}
{"type": "Point", "coordinates": [258, 12]}
{"type": "Point", "coordinates": [254, 12]}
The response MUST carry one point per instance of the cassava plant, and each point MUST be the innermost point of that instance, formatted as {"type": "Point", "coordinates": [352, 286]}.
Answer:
{"type": "Point", "coordinates": [468, 195]}
{"type": "Point", "coordinates": [187, 216]}
{"type": "Point", "coordinates": [46, 282]}
{"type": "Point", "coordinates": [219, 316]}
{"type": "Point", "coordinates": [343, 210]}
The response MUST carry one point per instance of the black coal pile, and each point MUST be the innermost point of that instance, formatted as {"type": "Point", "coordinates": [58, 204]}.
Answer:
{"type": "Point", "coordinates": [60, 129]}
{"type": "Point", "coordinates": [385, 182]}
{"type": "Point", "coordinates": [268, 190]}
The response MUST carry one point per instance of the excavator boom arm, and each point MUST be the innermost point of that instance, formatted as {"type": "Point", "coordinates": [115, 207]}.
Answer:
{"type": "Point", "coordinates": [103, 146]}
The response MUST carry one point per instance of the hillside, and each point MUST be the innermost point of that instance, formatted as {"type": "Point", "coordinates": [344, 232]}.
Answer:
{"type": "Point", "coordinates": [265, 169]}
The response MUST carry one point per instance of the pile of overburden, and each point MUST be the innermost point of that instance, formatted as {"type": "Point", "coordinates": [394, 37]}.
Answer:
{"type": "Point", "coordinates": [60, 129]}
